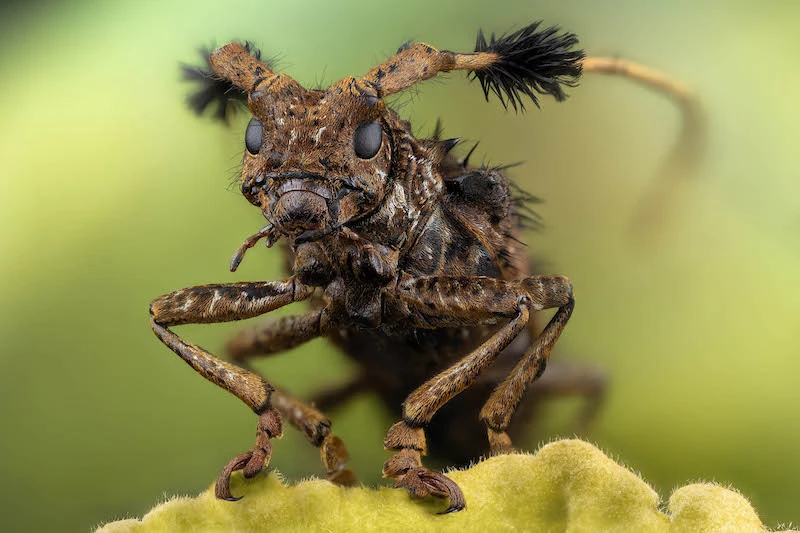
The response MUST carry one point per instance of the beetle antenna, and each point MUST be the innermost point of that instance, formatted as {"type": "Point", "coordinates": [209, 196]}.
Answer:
{"type": "Point", "coordinates": [526, 63]}
{"type": "Point", "coordinates": [529, 61]}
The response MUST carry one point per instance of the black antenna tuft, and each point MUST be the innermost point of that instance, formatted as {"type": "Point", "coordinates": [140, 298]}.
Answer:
{"type": "Point", "coordinates": [530, 60]}
{"type": "Point", "coordinates": [522, 203]}
{"type": "Point", "coordinates": [214, 91]}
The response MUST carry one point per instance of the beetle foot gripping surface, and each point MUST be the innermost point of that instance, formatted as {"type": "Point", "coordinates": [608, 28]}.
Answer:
{"type": "Point", "coordinates": [567, 485]}
{"type": "Point", "coordinates": [422, 483]}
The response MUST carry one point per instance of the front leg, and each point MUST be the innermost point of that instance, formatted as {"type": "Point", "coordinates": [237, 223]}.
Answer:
{"type": "Point", "coordinates": [452, 301]}
{"type": "Point", "coordinates": [224, 303]}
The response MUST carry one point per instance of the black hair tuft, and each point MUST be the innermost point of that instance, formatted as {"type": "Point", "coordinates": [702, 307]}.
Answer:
{"type": "Point", "coordinates": [522, 203]}
{"type": "Point", "coordinates": [542, 61]}
{"type": "Point", "coordinates": [214, 91]}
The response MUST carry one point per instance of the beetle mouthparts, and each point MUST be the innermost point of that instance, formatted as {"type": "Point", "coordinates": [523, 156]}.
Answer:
{"type": "Point", "coordinates": [300, 210]}
{"type": "Point", "coordinates": [317, 187]}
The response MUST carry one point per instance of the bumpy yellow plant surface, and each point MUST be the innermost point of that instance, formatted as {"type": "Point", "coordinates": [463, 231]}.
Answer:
{"type": "Point", "coordinates": [567, 485]}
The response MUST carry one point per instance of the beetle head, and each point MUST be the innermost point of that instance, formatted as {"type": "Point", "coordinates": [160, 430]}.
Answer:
{"type": "Point", "coordinates": [316, 160]}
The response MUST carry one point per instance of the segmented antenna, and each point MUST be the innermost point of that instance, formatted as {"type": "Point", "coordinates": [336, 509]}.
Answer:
{"type": "Point", "coordinates": [214, 91]}
{"type": "Point", "coordinates": [529, 60]}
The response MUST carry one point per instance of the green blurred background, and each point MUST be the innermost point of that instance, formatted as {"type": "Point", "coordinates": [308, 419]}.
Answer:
{"type": "Point", "coordinates": [113, 193]}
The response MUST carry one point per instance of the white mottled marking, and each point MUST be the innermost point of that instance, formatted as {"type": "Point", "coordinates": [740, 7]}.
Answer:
{"type": "Point", "coordinates": [397, 199]}
{"type": "Point", "coordinates": [400, 193]}
{"type": "Point", "coordinates": [317, 135]}
{"type": "Point", "coordinates": [188, 304]}
{"type": "Point", "coordinates": [214, 301]}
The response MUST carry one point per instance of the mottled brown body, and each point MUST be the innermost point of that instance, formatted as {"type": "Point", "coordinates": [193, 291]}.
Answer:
{"type": "Point", "coordinates": [409, 257]}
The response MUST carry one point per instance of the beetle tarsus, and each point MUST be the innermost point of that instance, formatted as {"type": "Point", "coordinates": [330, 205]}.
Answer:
{"type": "Point", "coordinates": [421, 482]}
{"type": "Point", "coordinates": [222, 488]}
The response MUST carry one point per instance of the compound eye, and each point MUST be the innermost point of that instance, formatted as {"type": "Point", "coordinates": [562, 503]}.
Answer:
{"type": "Point", "coordinates": [367, 140]}
{"type": "Point", "coordinates": [253, 136]}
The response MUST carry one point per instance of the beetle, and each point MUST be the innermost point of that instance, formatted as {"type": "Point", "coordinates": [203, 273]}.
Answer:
{"type": "Point", "coordinates": [410, 258]}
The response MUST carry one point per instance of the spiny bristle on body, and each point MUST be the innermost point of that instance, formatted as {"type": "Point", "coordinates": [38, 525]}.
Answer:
{"type": "Point", "coordinates": [522, 208]}
{"type": "Point", "coordinates": [213, 90]}
{"type": "Point", "coordinates": [542, 61]}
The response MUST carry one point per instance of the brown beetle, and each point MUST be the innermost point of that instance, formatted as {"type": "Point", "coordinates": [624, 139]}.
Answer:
{"type": "Point", "coordinates": [410, 258]}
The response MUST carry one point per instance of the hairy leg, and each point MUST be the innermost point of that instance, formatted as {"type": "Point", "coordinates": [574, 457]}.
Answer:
{"type": "Point", "coordinates": [317, 428]}
{"type": "Point", "coordinates": [444, 301]}
{"type": "Point", "coordinates": [278, 335]}
{"type": "Point", "coordinates": [223, 303]}
{"type": "Point", "coordinates": [331, 398]}
{"type": "Point", "coordinates": [497, 411]}
{"type": "Point", "coordinates": [456, 437]}
{"type": "Point", "coordinates": [273, 336]}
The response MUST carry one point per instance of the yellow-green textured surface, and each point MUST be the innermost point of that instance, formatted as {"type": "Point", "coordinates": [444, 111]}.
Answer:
{"type": "Point", "coordinates": [568, 485]}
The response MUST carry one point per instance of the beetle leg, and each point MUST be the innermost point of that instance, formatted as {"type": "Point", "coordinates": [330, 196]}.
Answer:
{"type": "Point", "coordinates": [224, 303]}
{"type": "Point", "coordinates": [502, 403]}
{"type": "Point", "coordinates": [461, 301]}
{"type": "Point", "coordinates": [273, 336]}
{"type": "Point", "coordinates": [408, 436]}
{"type": "Point", "coordinates": [331, 398]}
{"type": "Point", "coordinates": [282, 334]}
{"type": "Point", "coordinates": [317, 429]}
